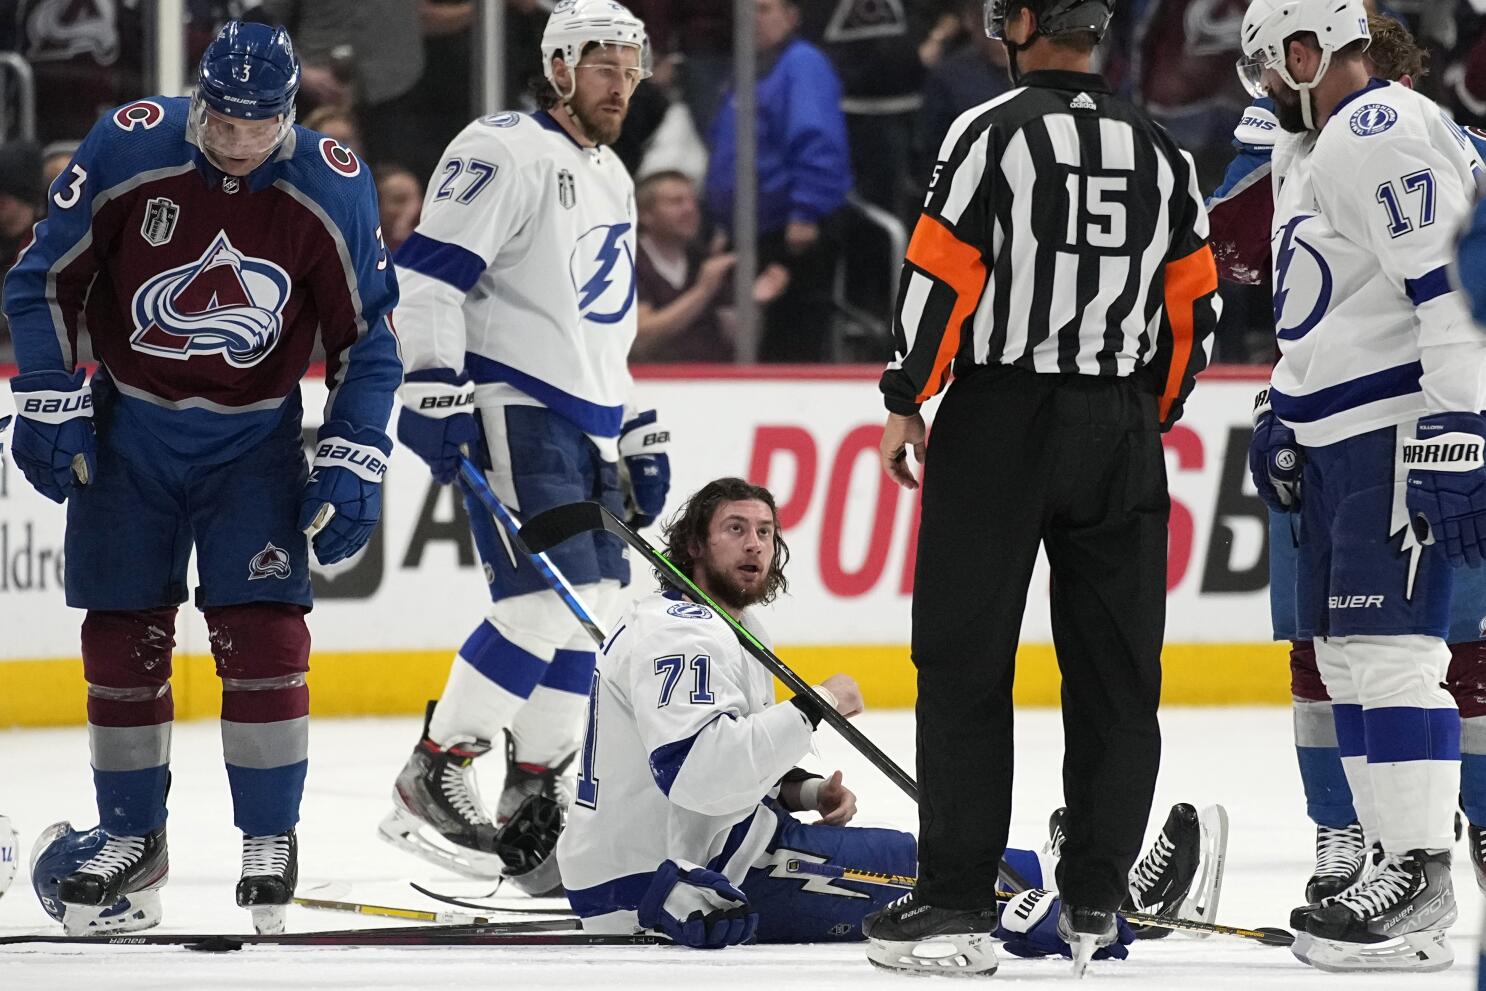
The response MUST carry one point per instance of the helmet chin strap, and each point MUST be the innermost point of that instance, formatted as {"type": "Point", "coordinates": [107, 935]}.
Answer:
{"type": "Point", "coordinates": [1012, 48]}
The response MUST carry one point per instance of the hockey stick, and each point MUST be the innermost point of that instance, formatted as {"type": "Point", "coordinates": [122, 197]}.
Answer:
{"type": "Point", "coordinates": [546, 530]}
{"type": "Point", "coordinates": [1269, 936]}
{"type": "Point", "coordinates": [415, 936]}
{"type": "Point", "coordinates": [475, 485]}
{"type": "Point", "coordinates": [422, 915]}
{"type": "Point", "coordinates": [484, 907]}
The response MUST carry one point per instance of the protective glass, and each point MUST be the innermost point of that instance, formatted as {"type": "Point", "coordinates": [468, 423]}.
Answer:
{"type": "Point", "coordinates": [1251, 74]}
{"type": "Point", "coordinates": [222, 137]}
{"type": "Point", "coordinates": [995, 18]}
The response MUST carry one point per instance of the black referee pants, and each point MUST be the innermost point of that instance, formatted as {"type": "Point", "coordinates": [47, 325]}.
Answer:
{"type": "Point", "coordinates": [1073, 463]}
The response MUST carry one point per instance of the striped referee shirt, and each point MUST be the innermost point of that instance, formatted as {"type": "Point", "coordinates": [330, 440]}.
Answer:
{"type": "Point", "coordinates": [1063, 232]}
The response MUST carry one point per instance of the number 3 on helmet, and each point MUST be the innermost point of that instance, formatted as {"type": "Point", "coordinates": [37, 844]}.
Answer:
{"type": "Point", "coordinates": [249, 76]}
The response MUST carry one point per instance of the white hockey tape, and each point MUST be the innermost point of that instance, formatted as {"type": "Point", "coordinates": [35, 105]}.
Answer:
{"type": "Point", "coordinates": [10, 854]}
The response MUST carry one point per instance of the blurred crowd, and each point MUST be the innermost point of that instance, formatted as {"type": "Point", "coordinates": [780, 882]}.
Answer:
{"type": "Point", "coordinates": [853, 98]}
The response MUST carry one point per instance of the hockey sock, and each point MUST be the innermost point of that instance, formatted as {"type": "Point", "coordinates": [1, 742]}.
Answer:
{"type": "Point", "coordinates": [262, 652]}
{"type": "Point", "coordinates": [1466, 681]}
{"type": "Point", "coordinates": [550, 724]}
{"type": "Point", "coordinates": [490, 679]}
{"type": "Point", "coordinates": [1351, 736]}
{"type": "Point", "coordinates": [1328, 798]}
{"type": "Point", "coordinates": [1413, 737]}
{"type": "Point", "coordinates": [126, 661]}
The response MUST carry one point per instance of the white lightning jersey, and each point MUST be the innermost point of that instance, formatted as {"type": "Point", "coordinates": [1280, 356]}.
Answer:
{"type": "Point", "coordinates": [682, 745]}
{"type": "Point", "coordinates": [522, 272]}
{"type": "Point", "coordinates": [1370, 332]}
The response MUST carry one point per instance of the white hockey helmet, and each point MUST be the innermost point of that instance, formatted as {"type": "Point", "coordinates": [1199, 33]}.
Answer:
{"type": "Point", "coordinates": [1267, 23]}
{"type": "Point", "coordinates": [575, 24]}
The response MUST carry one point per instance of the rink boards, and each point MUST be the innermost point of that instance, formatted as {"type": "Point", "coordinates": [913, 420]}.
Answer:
{"type": "Point", "coordinates": [385, 623]}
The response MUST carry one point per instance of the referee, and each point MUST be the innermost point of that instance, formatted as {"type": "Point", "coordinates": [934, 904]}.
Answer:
{"type": "Point", "coordinates": [1061, 268]}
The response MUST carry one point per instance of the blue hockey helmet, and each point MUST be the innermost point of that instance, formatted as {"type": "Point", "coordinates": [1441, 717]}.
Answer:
{"type": "Point", "coordinates": [59, 851]}
{"type": "Point", "coordinates": [248, 73]}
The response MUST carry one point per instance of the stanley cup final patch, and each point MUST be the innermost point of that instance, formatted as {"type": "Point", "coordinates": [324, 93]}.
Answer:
{"type": "Point", "coordinates": [160, 215]}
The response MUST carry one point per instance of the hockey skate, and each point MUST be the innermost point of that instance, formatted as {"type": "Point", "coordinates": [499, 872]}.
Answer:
{"type": "Point", "coordinates": [1086, 931]}
{"type": "Point", "coordinates": [95, 883]}
{"type": "Point", "coordinates": [1339, 861]}
{"type": "Point", "coordinates": [1181, 876]}
{"type": "Point", "coordinates": [1396, 918]}
{"type": "Point", "coordinates": [524, 780]}
{"type": "Point", "coordinates": [437, 813]}
{"type": "Point", "coordinates": [270, 873]}
{"type": "Point", "coordinates": [916, 938]}
{"type": "Point", "coordinates": [1477, 839]}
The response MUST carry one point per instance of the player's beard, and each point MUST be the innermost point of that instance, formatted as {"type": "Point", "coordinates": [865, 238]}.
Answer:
{"type": "Point", "coordinates": [724, 587]}
{"type": "Point", "coordinates": [1287, 111]}
{"type": "Point", "coordinates": [602, 128]}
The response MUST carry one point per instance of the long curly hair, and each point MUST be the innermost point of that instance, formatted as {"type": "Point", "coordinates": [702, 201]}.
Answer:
{"type": "Point", "coordinates": [692, 522]}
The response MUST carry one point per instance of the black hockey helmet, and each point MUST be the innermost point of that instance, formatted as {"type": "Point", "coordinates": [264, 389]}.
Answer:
{"type": "Point", "coordinates": [527, 844]}
{"type": "Point", "coordinates": [1054, 17]}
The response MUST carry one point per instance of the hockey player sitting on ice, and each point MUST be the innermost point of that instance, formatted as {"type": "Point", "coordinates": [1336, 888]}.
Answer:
{"type": "Point", "coordinates": [682, 821]}
{"type": "Point", "coordinates": [1240, 213]}
{"type": "Point", "coordinates": [1377, 398]}
{"type": "Point", "coordinates": [516, 318]}
{"type": "Point", "coordinates": [205, 243]}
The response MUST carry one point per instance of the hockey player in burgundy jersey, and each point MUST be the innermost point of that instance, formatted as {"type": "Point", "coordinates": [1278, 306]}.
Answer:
{"type": "Point", "coordinates": [205, 244]}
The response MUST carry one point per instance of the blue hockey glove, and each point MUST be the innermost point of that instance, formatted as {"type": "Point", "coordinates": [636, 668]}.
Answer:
{"type": "Point", "coordinates": [1446, 495]}
{"type": "Point", "coordinates": [1274, 459]}
{"type": "Point", "coordinates": [437, 421]}
{"type": "Point", "coordinates": [343, 497]}
{"type": "Point", "coordinates": [697, 907]}
{"type": "Point", "coordinates": [1029, 925]}
{"type": "Point", "coordinates": [53, 444]}
{"type": "Point", "coordinates": [642, 445]}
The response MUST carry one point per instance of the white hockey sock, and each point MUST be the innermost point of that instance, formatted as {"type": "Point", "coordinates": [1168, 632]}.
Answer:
{"type": "Point", "coordinates": [1346, 710]}
{"type": "Point", "coordinates": [1413, 737]}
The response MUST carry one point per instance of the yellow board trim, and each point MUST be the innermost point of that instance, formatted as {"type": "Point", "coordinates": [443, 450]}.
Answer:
{"type": "Point", "coordinates": [52, 692]}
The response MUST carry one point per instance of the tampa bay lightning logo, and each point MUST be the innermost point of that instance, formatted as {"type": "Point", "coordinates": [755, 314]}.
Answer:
{"type": "Point", "coordinates": [1375, 118]}
{"type": "Point", "coordinates": [690, 610]}
{"type": "Point", "coordinates": [1302, 278]}
{"type": "Point", "coordinates": [224, 302]}
{"type": "Point", "coordinates": [603, 270]}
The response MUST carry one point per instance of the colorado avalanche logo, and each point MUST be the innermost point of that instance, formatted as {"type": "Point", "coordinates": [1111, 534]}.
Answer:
{"type": "Point", "coordinates": [603, 270]}
{"type": "Point", "coordinates": [223, 303]}
{"type": "Point", "coordinates": [271, 562]}
{"type": "Point", "coordinates": [1299, 268]}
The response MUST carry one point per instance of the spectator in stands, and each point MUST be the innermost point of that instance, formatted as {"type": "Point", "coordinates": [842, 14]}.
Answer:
{"type": "Point", "coordinates": [400, 198]}
{"type": "Point", "coordinates": [367, 51]}
{"type": "Point", "coordinates": [338, 123]}
{"type": "Point", "coordinates": [881, 52]}
{"type": "Point", "coordinates": [21, 193]}
{"type": "Point", "coordinates": [698, 35]}
{"type": "Point", "coordinates": [804, 175]}
{"type": "Point", "coordinates": [970, 75]}
{"type": "Point", "coordinates": [682, 287]}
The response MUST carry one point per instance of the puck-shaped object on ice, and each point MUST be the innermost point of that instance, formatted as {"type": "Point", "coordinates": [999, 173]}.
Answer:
{"type": "Point", "coordinates": [10, 853]}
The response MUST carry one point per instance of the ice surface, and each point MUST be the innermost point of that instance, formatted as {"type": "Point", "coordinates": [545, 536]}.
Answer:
{"type": "Point", "coordinates": [1240, 757]}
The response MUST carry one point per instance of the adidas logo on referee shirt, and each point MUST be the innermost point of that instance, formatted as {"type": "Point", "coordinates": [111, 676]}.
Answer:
{"type": "Point", "coordinates": [1083, 102]}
